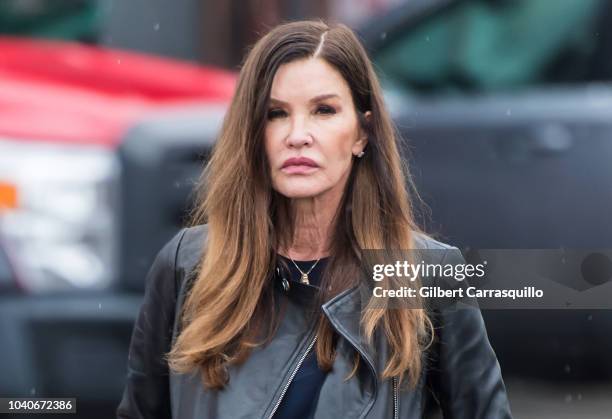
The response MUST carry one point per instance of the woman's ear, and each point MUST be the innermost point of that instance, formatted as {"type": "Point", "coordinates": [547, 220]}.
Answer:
{"type": "Point", "coordinates": [363, 134]}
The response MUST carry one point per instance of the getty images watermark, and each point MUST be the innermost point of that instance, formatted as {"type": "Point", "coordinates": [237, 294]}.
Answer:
{"type": "Point", "coordinates": [489, 278]}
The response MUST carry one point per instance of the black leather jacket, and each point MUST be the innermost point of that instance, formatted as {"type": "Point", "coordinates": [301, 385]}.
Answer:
{"type": "Point", "coordinates": [462, 374]}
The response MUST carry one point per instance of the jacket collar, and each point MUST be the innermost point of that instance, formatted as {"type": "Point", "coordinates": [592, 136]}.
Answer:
{"type": "Point", "coordinates": [344, 312]}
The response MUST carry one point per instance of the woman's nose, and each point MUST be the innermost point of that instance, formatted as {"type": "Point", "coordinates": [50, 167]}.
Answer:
{"type": "Point", "coordinates": [299, 135]}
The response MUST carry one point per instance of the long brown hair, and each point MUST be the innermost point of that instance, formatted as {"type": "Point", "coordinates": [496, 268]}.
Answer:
{"type": "Point", "coordinates": [229, 302]}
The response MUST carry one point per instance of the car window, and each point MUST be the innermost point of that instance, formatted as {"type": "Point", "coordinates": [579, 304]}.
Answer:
{"type": "Point", "coordinates": [483, 45]}
{"type": "Point", "coordinates": [63, 19]}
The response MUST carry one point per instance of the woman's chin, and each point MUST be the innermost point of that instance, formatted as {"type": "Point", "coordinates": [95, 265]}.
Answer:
{"type": "Point", "coordinates": [296, 190]}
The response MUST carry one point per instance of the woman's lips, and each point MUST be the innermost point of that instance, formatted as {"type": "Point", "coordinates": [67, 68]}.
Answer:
{"type": "Point", "coordinates": [299, 165]}
{"type": "Point", "coordinates": [298, 169]}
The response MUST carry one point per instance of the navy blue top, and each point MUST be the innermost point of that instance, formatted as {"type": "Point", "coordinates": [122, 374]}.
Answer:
{"type": "Point", "coordinates": [301, 397]}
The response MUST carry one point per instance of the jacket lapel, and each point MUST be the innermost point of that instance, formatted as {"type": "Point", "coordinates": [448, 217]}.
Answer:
{"type": "Point", "coordinates": [344, 313]}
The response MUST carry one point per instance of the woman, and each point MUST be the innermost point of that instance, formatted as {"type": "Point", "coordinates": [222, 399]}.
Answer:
{"type": "Point", "coordinates": [255, 311]}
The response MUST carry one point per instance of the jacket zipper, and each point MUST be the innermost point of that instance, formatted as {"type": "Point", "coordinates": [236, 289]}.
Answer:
{"type": "Point", "coordinates": [395, 399]}
{"type": "Point", "coordinates": [292, 376]}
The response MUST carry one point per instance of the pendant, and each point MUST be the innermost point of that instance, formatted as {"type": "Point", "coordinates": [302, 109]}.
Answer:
{"type": "Point", "coordinates": [305, 279]}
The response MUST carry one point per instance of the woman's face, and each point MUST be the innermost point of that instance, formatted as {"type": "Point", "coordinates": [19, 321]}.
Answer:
{"type": "Point", "coordinates": [312, 131]}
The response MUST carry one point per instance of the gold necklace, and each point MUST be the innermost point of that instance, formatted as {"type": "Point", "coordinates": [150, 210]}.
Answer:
{"type": "Point", "coordinates": [304, 279]}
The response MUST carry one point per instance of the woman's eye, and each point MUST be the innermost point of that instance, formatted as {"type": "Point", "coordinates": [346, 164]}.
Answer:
{"type": "Point", "coordinates": [326, 110]}
{"type": "Point", "coordinates": [275, 113]}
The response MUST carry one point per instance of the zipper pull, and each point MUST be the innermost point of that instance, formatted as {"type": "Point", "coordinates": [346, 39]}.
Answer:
{"type": "Point", "coordinates": [284, 281]}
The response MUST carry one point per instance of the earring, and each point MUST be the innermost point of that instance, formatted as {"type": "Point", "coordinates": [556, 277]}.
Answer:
{"type": "Point", "coordinates": [361, 153]}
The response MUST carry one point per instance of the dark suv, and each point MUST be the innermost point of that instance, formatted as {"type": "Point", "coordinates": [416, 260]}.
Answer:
{"type": "Point", "coordinates": [505, 109]}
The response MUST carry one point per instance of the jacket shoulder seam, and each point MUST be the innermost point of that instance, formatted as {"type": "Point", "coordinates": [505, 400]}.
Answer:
{"type": "Point", "coordinates": [181, 235]}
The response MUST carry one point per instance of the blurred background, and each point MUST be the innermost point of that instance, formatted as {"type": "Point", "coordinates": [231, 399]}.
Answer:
{"type": "Point", "coordinates": [109, 109]}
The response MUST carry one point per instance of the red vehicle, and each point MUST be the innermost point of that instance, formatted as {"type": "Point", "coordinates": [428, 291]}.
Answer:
{"type": "Point", "coordinates": [96, 165]}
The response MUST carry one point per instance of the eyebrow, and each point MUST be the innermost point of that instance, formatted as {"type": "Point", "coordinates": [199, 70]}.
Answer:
{"type": "Point", "coordinates": [313, 100]}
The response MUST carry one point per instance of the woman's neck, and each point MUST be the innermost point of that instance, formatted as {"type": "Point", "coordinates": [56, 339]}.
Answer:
{"type": "Point", "coordinates": [310, 242]}
{"type": "Point", "coordinates": [313, 221]}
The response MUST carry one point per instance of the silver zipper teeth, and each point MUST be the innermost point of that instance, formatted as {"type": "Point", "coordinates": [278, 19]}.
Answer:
{"type": "Point", "coordinates": [292, 376]}
{"type": "Point", "coordinates": [395, 399]}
